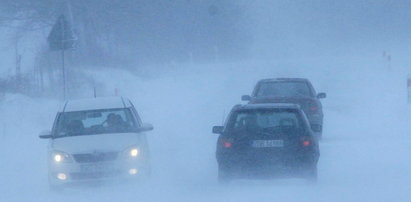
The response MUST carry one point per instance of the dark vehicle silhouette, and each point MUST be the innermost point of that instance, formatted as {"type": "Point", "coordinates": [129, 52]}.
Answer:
{"type": "Point", "coordinates": [264, 141]}
{"type": "Point", "coordinates": [291, 90]}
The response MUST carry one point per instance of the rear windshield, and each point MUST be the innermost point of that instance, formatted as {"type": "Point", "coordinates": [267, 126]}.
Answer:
{"type": "Point", "coordinates": [266, 120]}
{"type": "Point", "coordinates": [284, 89]}
{"type": "Point", "coordinates": [95, 122]}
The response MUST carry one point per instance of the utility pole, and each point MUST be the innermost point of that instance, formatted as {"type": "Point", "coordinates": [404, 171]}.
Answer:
{"type": "Point", "coordinates": [386, 59]}
{"type": "Point", "coordinates": [63, 31]}
{"type": "Point", "coordinates": [64, 74]}
{"type": "Point", "coordinates": [409, 89]}
{"type": "Point", "coordinates": [18, 67]}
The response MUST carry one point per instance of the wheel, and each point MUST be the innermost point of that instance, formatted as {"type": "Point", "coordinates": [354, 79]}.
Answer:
{"type": "Point", "coordinates": [311, 173]}
{"type": "Point", "coordinates": [318, 130]}
{"type": "Point", "coordinates": [53, 185]}
{"type": "Point", "coordinates": [320, 135]}
{"type": "Point", "coordinates": [56, 187]}
{"type": "Point", "coordinates": [224, 176]}
{"type": "Point", "coordinates": [145, 173]}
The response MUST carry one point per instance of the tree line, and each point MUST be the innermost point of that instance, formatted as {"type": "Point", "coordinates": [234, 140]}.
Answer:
{"type": "Point", "coordinates": [138, 31]}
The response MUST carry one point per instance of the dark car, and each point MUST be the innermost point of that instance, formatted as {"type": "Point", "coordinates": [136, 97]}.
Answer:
{"type": "Point", "coordinates": [266, 140]}
{"type": "Point", "coordinates": [291, 90]}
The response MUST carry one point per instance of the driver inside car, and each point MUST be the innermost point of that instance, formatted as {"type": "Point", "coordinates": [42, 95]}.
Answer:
{"type": "Point", "coordinates": [115, 122]}
{"type": "Point", "coordinates": [249, 124]}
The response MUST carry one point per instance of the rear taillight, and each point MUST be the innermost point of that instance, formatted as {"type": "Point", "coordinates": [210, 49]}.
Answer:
{"type": "Point", "coordinates": [313, 108]}
{"type": "Point", "coordinates": [306, 141]}
{"type": "Point", "coordinates": [227, 143]}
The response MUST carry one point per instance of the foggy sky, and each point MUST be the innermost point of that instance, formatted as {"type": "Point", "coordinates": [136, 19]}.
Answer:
{"type": "Point", "coordinates": [329, 27]}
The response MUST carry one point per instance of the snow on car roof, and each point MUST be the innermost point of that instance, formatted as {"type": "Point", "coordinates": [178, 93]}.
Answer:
{"type": "Point", "coordinates": [283, 79]}
{"type": "Point", "coordinates": [268, 106]}
{"type": "Point", "coordinates": [95, 103]}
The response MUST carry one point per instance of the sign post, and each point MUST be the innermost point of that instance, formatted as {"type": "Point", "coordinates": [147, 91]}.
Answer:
{"type": "Point", "coordinates": [61, 38]}
{"type": "Point", "coordinates": [409, 89]}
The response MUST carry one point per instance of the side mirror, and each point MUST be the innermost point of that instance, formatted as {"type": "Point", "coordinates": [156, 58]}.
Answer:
{"type": "Point", "coordinates": [218, 129]}
{"type": "Point", "coordinates": [321, 95]}
{"type": "Point", "coordinates": [45, 134]}
{"type": "Point", "coordinates": [145, 127]}
{"type": "Point", "coordinates": [245, 98]}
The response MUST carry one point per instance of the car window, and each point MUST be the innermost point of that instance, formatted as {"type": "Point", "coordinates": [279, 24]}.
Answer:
{"type": "Point", "coordinates": [284, 89]}
{"type": "Point", "coordinates": [260, 120]}
{"type": "Point", "coordinates": [95, 122]}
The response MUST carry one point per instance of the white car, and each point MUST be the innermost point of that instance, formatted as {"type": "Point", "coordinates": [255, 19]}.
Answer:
{"type": "Point", "coordinates": [97, 138]}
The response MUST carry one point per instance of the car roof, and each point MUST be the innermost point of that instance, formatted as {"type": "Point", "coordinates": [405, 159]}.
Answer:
{"type": "Point", "coordinates": [284, 79]}
{"type": "Point", "coordinates": [95, 104]}
{"type": "Point", "coordinates": [267, 106]}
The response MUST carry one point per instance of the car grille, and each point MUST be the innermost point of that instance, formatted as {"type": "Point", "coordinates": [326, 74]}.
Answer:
{"type": "Point", "coordinates": [97, 175]}
{"type": "Point", "coordinates": [95, 157]}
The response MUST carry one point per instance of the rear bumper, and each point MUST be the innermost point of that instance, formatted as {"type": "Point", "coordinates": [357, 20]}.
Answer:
{"type": "Point", "coordinates": [251, 167]}
{"type": "Point", "coordinates": [267, 171]}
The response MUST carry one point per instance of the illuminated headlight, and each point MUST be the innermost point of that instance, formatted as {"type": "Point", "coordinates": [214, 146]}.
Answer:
{"type": "Point", "coordinates": [61, 176]}
{"type": "Point", "coordinates": [133, 171]}
{"type": "Point", "coordinates": [134, 152]}
{"type": "Point", "coordinates": [59, 157]}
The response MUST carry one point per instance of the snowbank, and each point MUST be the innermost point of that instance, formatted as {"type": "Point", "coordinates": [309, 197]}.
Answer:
{"type": "Point", "coordinates": [364, 150]}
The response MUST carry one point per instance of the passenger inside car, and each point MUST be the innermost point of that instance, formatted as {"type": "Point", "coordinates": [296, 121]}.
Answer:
{"type": "Point", "coordinates": [116, 123]}
{"type": "Point", "coordinates": [75, 127]}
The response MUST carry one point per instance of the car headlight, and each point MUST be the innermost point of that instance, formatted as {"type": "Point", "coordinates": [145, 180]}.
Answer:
{"type": "Point", "coordinates": [60, 157]}
{"type": "Point", "coordinates": [134, 152]}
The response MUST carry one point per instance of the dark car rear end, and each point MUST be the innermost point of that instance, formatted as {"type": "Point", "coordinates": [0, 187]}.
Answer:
{"type": "Point", "coordinates": [291, 90]}
{"type": "Point", "coordinates": [279, 143]}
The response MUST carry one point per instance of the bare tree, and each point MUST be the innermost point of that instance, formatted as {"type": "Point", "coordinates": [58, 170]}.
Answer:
{"type": "Point", "coordinates": [136, 31]}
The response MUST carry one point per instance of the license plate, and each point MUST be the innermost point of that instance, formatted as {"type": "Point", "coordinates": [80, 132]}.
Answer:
{"type": "Point", "coordinates": [267, 143]}
{"type": "Point", "coordinates": [96, 167]}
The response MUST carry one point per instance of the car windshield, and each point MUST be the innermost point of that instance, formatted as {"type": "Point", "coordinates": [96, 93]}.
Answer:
{"type": "Point", "coordinates": [94, 122]}
{"type": "Point", "coordinates": [263, 120]}
{"type": "Point", "coordinates": [284, 89]}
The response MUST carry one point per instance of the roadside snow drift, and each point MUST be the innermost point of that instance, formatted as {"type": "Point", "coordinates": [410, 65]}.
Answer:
{"type": "Point", "coordinates": [364, 153]}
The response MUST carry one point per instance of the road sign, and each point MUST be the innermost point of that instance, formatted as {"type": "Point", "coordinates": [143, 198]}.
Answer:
{"type": "Point", "coordinates": [61, 36]}
{"type": "Point", "coordinates": [409, 89]}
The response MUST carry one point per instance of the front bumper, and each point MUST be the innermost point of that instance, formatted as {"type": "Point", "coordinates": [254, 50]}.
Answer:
{"type": "Point", "coordinates": [64, 173]}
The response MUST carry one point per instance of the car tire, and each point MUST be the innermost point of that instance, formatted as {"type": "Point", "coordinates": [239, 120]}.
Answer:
{"type": "Point", "coordinates": [224, 176]}
{"type": "Point", "coordinates": [318, 130]}
{"type": "Point", "coordinates": [146, 172]}
{"type": "Point", "coordinates": [143, 175]}
{"type": "Point", "coordinates": [56, 188]}
{"type": "Point", "coordinates": [320, 135]}
{"type": "Point", "coordinates": [311, 173]}
{"type": "Point", "coordinates": [53, 186]}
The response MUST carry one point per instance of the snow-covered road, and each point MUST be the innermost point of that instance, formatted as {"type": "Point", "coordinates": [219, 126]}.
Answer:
{"type": "Point", "coordinates": [364, 153]}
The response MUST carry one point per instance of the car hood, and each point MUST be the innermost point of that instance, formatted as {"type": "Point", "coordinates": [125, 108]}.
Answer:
{"type": "Point", "coordinates": [95, 143]}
